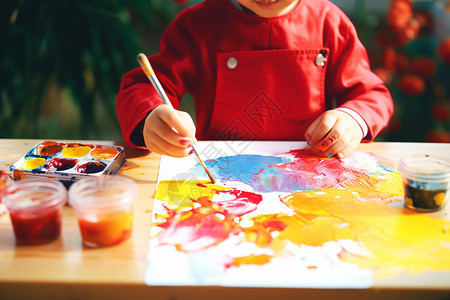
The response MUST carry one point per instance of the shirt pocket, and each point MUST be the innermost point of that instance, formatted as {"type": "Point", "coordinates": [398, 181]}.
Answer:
{"type": "Point", "coordinates": [268, 94]}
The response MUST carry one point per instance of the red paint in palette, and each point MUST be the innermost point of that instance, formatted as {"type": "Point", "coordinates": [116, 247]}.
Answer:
{"type": "Point", "coordinates": [61, 164]}
{"type": "Point", "coordinates": [48, 148]}
{"type": "Point", "coordinates": [91, 167]}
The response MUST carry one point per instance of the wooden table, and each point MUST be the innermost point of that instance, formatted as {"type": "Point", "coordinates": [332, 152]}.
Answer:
{"type": "Point", "coordinates": [64, 269]}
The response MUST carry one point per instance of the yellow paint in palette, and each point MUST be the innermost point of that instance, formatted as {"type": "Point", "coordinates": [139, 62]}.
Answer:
{"type": "Point", "coordinates": [75, 151]}
{"type": "Point", "coordinates": [33, 163]}
{"type": "Point", "coordinates": [395, 238]}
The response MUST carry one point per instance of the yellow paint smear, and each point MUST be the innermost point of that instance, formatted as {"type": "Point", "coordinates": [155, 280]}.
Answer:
{"type": "Point", "coordinates": [179, 193]}
{"type": "Point", "coordinates": [396, 238]}
{"type": "Point", "coordinates": [385, 186]}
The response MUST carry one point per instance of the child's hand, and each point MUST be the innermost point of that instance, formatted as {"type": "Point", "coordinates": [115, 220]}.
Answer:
{"type": "Point", "coordinates": [334, 133]}
{"type": "Point", "coordinates": [169, 132]}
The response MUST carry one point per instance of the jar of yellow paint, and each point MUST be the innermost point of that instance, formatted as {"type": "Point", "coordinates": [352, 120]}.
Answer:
{"type": "Point", "coordinates": [426, 181]}
{"type": "Point", "coordinates": [104, 208]}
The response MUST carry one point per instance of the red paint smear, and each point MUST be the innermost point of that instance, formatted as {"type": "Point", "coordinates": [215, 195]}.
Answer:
{"type": "Point", "coordinates": [196, 229]}
{"type": "Point", "coordinates": [304, 153]}
{"type": "Point", "coordinates": [244, 203]}
{"type": "Point", "coordinates": [307, 166]}
{"type": "Point", "coordinates": [210, 223]}
{"type": "Point", "coordinates": [275, 225]}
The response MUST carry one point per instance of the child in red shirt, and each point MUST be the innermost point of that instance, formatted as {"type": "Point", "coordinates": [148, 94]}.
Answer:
{"type": "Point", "coordinates": [257, 70]}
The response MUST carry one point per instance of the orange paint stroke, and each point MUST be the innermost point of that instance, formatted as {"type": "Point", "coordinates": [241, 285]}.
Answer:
{"type": "Point", "coordinates": [261, 259]}
{"type": "Point", "coordinates": [132, 167]}
{"type": "Point", "coordinates": [104, 153]}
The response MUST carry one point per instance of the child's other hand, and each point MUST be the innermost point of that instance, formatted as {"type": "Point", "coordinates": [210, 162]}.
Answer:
{"type": "Point", "coordinates": [169, 132]}
{"type": "Point", "coordinates": [334, 133]}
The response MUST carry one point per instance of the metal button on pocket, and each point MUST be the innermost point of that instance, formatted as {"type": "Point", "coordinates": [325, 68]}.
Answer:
{"type": "Point", "coordinates": [320, 60]}
{"type": "Point", "coordinates": [232, 62]}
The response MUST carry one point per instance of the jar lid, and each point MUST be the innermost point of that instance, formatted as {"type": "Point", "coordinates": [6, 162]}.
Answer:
{"type": "Point", "coordinates": [427, 167]}
{"type": "Point", "coordinates": [102, 192]}
{"type": "Point", "coordinates": [31, 194]}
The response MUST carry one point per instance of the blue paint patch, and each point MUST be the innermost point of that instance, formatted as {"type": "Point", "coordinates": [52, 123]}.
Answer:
{"type": "Point", "coordinates": [241, 168]}
{"type": "Point", "coordinates": [276, 179]}
{"type": "Point", "coordinates": [387, 169]}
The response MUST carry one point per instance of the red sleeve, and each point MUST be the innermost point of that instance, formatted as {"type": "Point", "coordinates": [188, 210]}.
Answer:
{"type": "Point", "coordinates": [137, 97]}
{"type": "Point", "coordinates": [135, 100]}
{"type": "Point", "coordinates": [353, 84]}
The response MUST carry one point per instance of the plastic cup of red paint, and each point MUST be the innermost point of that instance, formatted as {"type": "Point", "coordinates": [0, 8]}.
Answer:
{"type": "Point", "coordinates": [426, 181]}
{"type": "Point", "coordinates": [35, 208]}
{"type": "Point", "coordinates": [104, 208]}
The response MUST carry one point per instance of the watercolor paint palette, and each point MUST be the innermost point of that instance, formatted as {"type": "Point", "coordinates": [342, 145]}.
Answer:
{"type": "Point", "coordinates": [68, 162]}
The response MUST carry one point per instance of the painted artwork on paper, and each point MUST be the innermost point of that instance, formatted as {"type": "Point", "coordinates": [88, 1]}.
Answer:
{"type": "Point", "coordinates": [281, 217]}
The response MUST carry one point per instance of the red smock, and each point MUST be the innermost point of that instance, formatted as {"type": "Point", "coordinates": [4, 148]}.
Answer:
{"type": "Point", "coordinates": [255, 78]}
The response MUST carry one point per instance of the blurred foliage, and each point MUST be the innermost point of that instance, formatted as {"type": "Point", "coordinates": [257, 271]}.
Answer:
{"type": "Point", "coordinates": [409, 48]}
{"type": "Point", "coordinates": [61, 63]}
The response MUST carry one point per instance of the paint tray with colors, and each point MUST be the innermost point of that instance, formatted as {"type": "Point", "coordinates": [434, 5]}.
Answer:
{"type": "Point", "coordinates": [68, 162]}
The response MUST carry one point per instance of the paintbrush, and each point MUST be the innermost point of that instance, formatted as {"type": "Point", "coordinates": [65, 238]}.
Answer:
{"type": "Point", "coordinates": [148, 70]}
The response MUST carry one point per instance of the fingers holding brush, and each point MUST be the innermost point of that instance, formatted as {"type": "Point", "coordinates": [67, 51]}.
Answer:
{"type": "Point", "coordinates": [169, 132]}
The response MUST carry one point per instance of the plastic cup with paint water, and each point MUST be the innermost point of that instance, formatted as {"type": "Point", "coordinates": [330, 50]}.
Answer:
{"type": "Point", "coordinates": [104, 208]}
{"type": "Point", "coordinates": [3, 178]}
{"type": "Point", "coordinates": [426, 181]}
{"type": "Point", "coordinates": [35, 207]}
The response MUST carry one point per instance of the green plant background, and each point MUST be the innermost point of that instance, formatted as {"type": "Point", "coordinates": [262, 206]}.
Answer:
{"type": "Point", "coordinates": [62, 61]}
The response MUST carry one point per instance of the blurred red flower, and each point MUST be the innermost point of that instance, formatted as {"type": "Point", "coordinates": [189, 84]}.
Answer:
{"type": "Point", "coordinates": [437, 136]}
{"type": "Point", "coordinates": [399, 14]}
{"type": "Point", "coordinates": [408, 32]}
{"type": "Point", "coordinates": [424, 66]}
{"type": "Point", "coordinates": [395, 125]}
{"type": "Point", "coordinates": [389, 57]}
{"type": "Point", "coordinates": [444, 49]}
{"type": "Point", "coordinates": [411, 84]}
{"type": "Point", "coordinates": [441, 111]}
{"type": "Point", "coordinates": [425, 19]}
{"type": "Point", "coordinates": [384, 74]}
{"type": "Point", "coordinates": [402, 63]}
